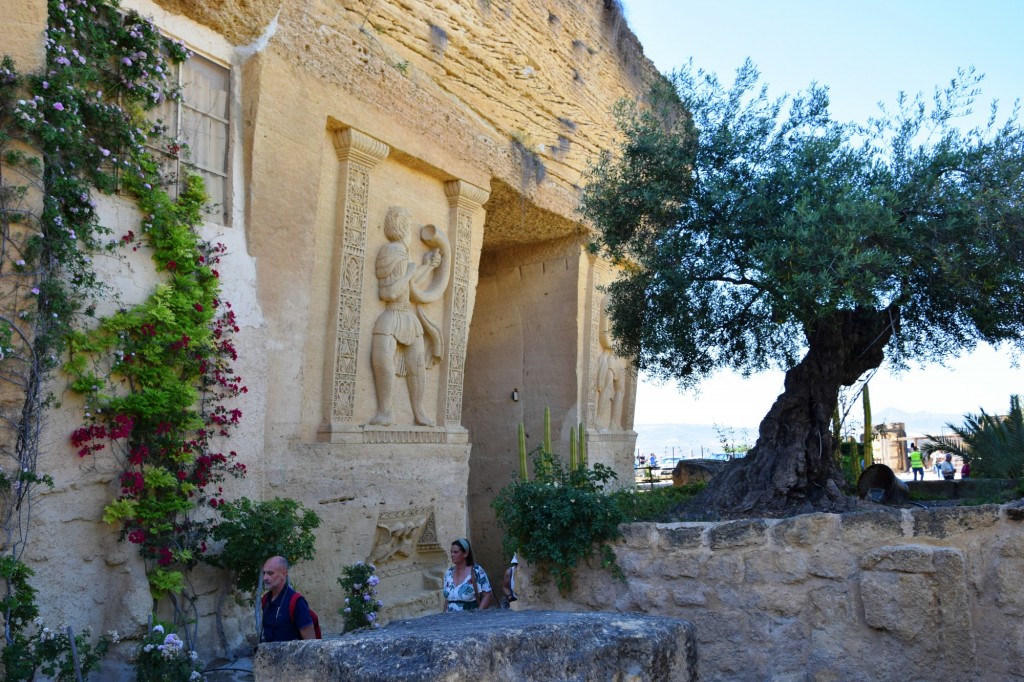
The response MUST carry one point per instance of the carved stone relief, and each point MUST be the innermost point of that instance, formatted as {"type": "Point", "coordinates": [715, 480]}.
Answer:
{"type": "Point", "coordinates": [405, 340]}
{"type": "Point", "coordinates": [406, 542]}
{"type": "Point", "coordinates": [612, 373]}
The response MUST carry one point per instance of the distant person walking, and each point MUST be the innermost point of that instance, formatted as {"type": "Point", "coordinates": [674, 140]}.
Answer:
{"type": "Point", "coordinates": [947, 468]}
{"type": "Point", "coordinates": [965, 470]}
{"type": "Point", "coordinates": [916, 462]}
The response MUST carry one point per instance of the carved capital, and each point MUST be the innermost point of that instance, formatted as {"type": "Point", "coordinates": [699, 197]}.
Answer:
{"type": "Point", "coordinates": [352, 145]}
{"type": "Point", "coordinates": [463, 195]}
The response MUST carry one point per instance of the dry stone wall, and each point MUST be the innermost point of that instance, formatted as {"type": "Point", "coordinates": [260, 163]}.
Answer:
{"type": "Point", "coordinates": [876, 595]}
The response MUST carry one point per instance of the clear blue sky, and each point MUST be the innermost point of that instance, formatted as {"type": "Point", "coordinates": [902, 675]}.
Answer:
{"type": "Point", "coordinates": [865, 52]}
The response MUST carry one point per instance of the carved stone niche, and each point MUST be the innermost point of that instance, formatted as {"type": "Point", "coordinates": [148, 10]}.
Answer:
{"type": "Point", "coordinates": [400, 298]}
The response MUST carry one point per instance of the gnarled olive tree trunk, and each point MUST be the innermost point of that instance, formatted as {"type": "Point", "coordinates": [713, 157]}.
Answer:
{"type": "Point", "coordinates": [792, 465]}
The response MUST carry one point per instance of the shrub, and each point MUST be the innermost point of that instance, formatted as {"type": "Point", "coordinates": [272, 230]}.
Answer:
{"type": "Point", "coordinates": [255, 531]}
{"type": "Point", "coordinates": [361, 603]}
{"type": "Point", "coordinates": [163, 658]}
{"type": "Point", "coordinates": [560, 518]}
{"type": "Point", "coordinates": [40, 650]}
{"type": "Point", "coordinates": [656, 504]}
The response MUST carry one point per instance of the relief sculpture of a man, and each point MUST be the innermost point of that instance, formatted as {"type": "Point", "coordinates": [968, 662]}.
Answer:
{"type": "Point", "coordinates": [399, 347]}
{"type": "Point", "coordinates": [611, 378]}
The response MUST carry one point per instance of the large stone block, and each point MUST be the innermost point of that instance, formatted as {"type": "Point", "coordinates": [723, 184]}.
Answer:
{"type": "Point", "coordinates": [871, 527]}
{"type": "Point", "coordinates": [806, 530]}
{"type": "Point", "coordinates": [494, 645]}
{"type": "Point", "coordinates": [738, 534]}
{"type": "Point", "coordinates": [916, 593]}
{"type": "Point", "coordinates": [682, 537]}
{"type": "Point", "coordinates": [949, 521]}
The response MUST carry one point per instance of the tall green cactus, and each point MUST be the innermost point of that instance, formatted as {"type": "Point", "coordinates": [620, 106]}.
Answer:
{"type": "Point", "coordinates": [547, 430]}
{"type": "Point", "coordinates": [582, 449]}
{"type": "Point", "coordinates": [523, 474]}
{"type": "Point", "coordinates": [572, 448]}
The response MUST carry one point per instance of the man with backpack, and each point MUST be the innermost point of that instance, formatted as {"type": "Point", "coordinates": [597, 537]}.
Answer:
{"type": "Point", "coordinates": [286, 615]}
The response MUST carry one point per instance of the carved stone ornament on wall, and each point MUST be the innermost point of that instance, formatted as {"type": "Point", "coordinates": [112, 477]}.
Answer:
{"type": "Point", "coordinates": [464, 201]}
{"type": "Point", "coordinates": [357, 155]}
{"type": "Point", "coordinates": [405, 542]}
{"type": "Point", "coordinates": [611, 377]}
{"type": "Point", "coordinates": [405, 340]}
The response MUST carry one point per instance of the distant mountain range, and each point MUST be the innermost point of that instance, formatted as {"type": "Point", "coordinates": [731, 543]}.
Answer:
{"type": "Point", "coordinates": [693, 440]}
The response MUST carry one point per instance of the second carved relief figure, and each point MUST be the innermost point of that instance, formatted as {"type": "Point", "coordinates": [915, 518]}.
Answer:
{"type": "Point", "coordinates": [405, 340]}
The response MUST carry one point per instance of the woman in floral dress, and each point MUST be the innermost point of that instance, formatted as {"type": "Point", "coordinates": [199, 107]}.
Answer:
{"type": "Point", "coordinates": [466, 586]}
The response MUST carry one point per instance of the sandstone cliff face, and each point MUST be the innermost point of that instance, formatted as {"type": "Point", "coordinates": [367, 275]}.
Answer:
{"type": "Point", "coordinates": [516, 90]}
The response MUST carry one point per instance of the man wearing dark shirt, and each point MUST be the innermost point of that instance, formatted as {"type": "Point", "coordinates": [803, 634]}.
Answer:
{"type": "Point", "coordinates": [278, 623]}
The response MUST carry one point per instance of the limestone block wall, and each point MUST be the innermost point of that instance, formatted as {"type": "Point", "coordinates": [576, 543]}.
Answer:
{"type": "Point", "coordinates": [876, 595]}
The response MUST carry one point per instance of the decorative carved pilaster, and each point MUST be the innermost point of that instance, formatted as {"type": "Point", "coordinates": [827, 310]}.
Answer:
{"type": "Point", "coordinates": [464, 200]}
{"type": "Point", "coordinates": [358, 153]}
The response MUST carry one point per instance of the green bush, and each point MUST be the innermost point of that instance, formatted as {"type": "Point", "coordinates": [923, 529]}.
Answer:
{"type": "Point", "coordinates": [32, 647]}
{"type": "Point", "coordinates": [253, 532]}
{"type": "Point", "coordinates": [164, 658]}
{"type": "Point", "coordinates": [656, 504]}
{"type": "Point", "coordinates": [560, 518]}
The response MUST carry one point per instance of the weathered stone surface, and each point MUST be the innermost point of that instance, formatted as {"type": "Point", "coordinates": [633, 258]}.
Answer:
{"type": "Point", "coordinates": [639, 535]}
{"type": "Point", "coordinates": [738, 534]}
{"type": "Point", "coordinates": [689, 536]}
{"type": "Point", "coordinates": [907, 559]}
{"type": "Point", "coordinates": [866, 608]}
{"type": "Point", "coordinates": [913, 590]}
{"type": "Point", "coordinates": [805, 530]}
{"type": "Point", "coordinates": [695, 470]}
{"type": "Point", "coordinates": [494, 645]}
{"type": "Point", "coordinates": [947, 521]}
{"type": "Point", "coordinates": [775, 567]}
{"type": "Point", "coordinates": [871, 526]}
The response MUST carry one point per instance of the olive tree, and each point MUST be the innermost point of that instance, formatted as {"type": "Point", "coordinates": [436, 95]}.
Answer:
{"type": "Point", "coordinates": [756, 232]}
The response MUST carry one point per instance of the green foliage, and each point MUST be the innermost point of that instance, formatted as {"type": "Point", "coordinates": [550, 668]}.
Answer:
{"type": "Point", "coordinates": [253, 532]}
{"type": "Point", "coordinates": [32, 647]}
{"type": "Point", "coordinates": [744, 227]}
{"type": "Point", "coordinates": [361, 603]}
{"type": "Point", "coordinates": [993, 445]}
{"type": "Point", "coordinates": [165, 658]}
{"type": "Point", "coordinates": [154, 377]}
{"type": "Point", "coordinates": [656, 504]}
{"type": "Point", "coordinates": [850, 455]}
{"type": "Point", "coordinates": [559, 518]}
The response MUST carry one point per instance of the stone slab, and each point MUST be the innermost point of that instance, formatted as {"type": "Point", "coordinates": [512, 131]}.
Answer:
{"type": "Point", "coordinates": [494, 646]}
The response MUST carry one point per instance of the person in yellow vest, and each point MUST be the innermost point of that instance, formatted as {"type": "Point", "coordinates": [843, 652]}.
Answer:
{"type": "Point", "coordinates": [916, 461]}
